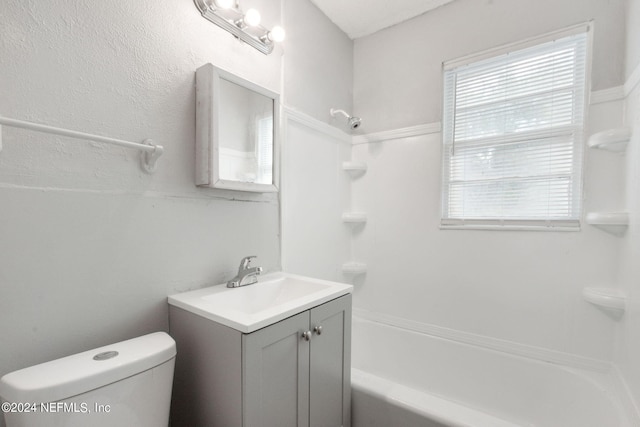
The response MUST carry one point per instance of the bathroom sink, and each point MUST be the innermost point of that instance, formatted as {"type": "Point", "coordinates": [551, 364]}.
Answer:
{"type": "Point", "coordinates": [275, 297]}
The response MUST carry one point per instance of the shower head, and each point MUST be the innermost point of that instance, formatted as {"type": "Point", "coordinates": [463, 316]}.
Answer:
{"type": "Point", "coordinates": [353, 122]}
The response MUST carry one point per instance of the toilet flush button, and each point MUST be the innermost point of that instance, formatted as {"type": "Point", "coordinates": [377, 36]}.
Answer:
{"type": "Point", "coordinates": [105, 355]}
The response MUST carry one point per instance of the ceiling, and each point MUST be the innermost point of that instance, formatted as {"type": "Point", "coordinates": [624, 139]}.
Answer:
{"type": "Point", "coordinates": [359, 18]}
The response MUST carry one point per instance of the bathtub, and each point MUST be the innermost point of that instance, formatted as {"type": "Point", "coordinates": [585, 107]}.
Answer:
{"type": "Point", "coordinates": [404, 378]}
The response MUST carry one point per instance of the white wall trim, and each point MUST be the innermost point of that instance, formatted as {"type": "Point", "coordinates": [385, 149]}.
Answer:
{"type": "Point", "coordinates": [632, 81]}
{"type": "Point", "coordinates": [315, 124]}
{"type": "Point", "coordinates": [205, 194]}
{"type": "Point", "coordinates": [523, 350]}
{"type": "Point", "coordinates": [616, 93]}
{"type": "Point", "coordinates": [424, 129]}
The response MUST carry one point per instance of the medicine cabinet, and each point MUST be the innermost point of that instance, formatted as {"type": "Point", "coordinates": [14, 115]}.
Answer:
{"type": "Point", "coordinates": [236, 132]}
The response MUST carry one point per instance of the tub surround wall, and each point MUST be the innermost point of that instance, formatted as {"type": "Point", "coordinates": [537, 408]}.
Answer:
{"type": "Point", "coordinates": [90, 246]}
{"type": "Point", "coordinates": [627, 351]}
{"type": "Point", "coordinates": [315, 191]}
{"type": "Point", "coordinates": [632, 41]}
{"type": "Point", "coordinates": [521, 287]}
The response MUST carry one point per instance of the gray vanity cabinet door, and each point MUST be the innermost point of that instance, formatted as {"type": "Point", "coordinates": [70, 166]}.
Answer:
{"type": "Point", "coordinates": [330, 364]}
{"type": "Point", "coordinates": [276, 375]}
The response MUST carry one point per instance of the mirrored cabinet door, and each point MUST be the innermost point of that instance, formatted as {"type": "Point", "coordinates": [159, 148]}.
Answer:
{"type": "Point", "coordinates": [236, 132]}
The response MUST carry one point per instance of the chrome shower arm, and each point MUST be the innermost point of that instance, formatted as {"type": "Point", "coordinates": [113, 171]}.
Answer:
{"type": "Point", "coordinates": [334, 111]}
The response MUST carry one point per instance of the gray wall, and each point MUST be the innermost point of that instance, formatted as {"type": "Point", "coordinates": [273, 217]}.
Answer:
{"type": "Point", "coordinates": [90, 246]}
{"type": "Point", "coordinates": [397, 71]}
{"type": "Point", "coordinates": [318, 63]}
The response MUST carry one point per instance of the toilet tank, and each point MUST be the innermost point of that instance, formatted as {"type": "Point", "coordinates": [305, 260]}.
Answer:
{"type": "Point", "coordinates": [123, 384]}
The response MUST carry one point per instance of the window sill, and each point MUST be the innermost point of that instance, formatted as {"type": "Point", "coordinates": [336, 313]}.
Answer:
{"type": "Point", "coordinates": [512, 226]}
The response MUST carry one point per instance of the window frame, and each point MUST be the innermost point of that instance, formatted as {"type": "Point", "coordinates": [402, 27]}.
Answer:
{"type": "Point", "coordinates": [578, 158]}
{"type": "Point", "coordinates": [264, 169]}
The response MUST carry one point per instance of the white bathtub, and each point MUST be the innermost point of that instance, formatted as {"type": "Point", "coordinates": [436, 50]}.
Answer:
{"type": "Point", "coordinates": [402, 378]}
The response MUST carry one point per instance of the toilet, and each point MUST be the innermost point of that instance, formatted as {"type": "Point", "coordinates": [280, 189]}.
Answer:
{"type": "Point", "coordinates": [123, 384]}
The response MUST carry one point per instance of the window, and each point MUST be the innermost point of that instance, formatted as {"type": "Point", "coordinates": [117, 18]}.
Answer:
{"type": "Point", "coordinates": [264, 147]}
{"type": "Point", "coordinates": [512, 135]}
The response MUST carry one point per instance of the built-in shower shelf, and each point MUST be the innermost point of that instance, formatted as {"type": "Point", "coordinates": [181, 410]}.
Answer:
{"type": "Point", "coordinates": [354, 168]}
{"type": "Point", "coordinates": [612, 222]}
{"type": "Point", "coordinates": [605, 297]}
{"type": "Point", "coordinates": [354, 268]}
{"type": "Point", "coordinates": [354, 217]}
{"type": "Point", "coordinates": [615, 140]}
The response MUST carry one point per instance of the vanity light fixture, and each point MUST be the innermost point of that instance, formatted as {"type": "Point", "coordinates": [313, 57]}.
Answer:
{"type": "Point", "coordinates": [225, 4]}
{"type": "Point", "coordinates": [252, 18]}
{"type": "Point", "coordinates": [245, 26]}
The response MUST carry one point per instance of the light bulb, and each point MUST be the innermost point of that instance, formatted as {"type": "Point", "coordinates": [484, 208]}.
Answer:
{"type": "Point", "coordinates": [276, 34]}
{"type": "Point", "coordinates": [252, 17]}
{"type": "Point", "coordinates": [225, 4]}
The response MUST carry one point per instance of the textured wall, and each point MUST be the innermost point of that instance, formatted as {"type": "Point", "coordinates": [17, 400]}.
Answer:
{"type": "Point", "coordinates": [90, 246]}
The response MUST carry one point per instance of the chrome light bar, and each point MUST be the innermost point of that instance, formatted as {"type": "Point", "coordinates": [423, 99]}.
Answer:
{"type": "Point", "coordinates": [235, 21]}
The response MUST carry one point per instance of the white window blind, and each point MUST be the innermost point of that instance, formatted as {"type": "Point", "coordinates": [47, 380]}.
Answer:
{"type": "Point", "coordinates": [512, 135]}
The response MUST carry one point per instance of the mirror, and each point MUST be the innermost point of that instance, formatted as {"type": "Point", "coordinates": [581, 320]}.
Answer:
{"type": "Point", "coordinates": [236, 132]}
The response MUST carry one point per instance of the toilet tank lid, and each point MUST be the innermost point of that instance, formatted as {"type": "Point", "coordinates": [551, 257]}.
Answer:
{"type": "Point", "coordinates": [80, 373]}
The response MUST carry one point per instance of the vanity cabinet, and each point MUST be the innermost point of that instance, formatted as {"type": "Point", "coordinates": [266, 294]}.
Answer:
{"type": "Point", "coordinates": [293, 373]}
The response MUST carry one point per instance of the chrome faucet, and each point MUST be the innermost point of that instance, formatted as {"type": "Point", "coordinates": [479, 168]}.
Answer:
{"type": "Point", "coordinates": [246, 275]}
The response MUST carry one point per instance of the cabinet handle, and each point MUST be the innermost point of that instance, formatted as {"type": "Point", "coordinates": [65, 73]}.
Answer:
{"type": "Point", "coordinates": [318, 330]}
{"type": "Point", "coordinates": [306, 335]}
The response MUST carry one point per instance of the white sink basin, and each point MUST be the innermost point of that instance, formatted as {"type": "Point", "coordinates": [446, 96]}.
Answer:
{"type": "Point", "coordinates": [275, 297]}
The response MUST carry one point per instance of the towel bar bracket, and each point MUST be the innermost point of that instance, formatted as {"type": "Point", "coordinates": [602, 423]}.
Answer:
{"type": "Point", "coordinates": [148, 159]}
